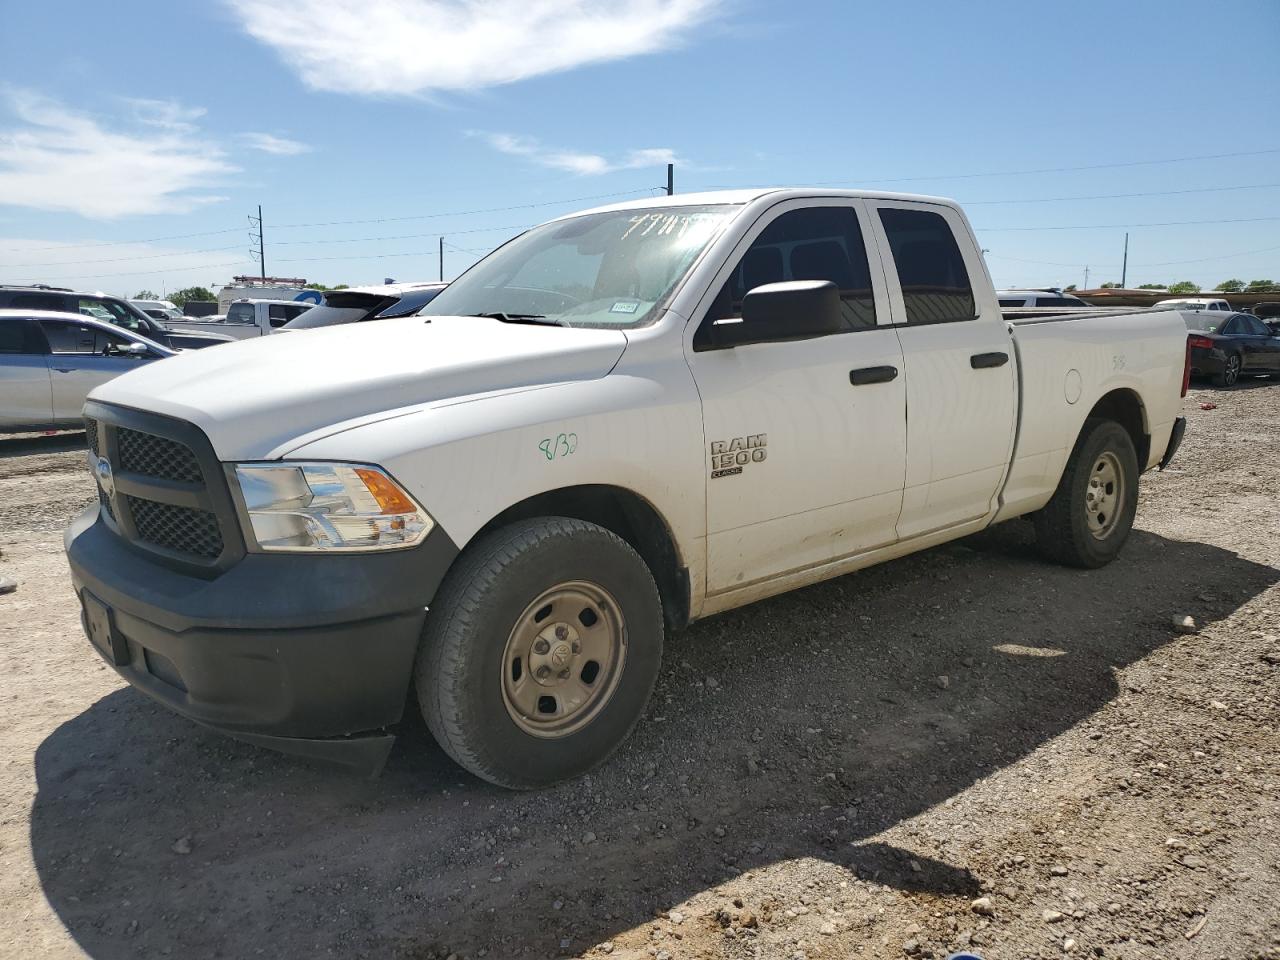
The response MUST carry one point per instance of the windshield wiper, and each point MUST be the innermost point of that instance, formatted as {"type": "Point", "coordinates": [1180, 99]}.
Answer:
{"type": "Point", "coordinates": [538, 319]}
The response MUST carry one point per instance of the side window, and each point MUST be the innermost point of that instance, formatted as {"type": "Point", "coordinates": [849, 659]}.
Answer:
{"type": "Point", "coordinates": [935, 284]}
{"type": "Point", "coordinates": [38, 301]}
{"type": "Point", "coordinates": [109, 312]}
{"type": "Point", "coordinates": [276, 315]}
{"type": "Point", "coordinates": [16, 336]}
{"type": "Point", "coordinates": [816, 243]}
{"type": "Point", "coordinates": [1235, 327]}
{"type": "Point", "coordinates": [1006, 302]}
{"type": "Point", "coordinates": [293, 311]}
{"type": "Point", "coordinates": [103, 339]}
{"type": "Point", "coordinates": [1257, 327]}
{"type": "Point", "coordinates": [70, 338]}
{"type": "Point", "coordinates": [240, 313]}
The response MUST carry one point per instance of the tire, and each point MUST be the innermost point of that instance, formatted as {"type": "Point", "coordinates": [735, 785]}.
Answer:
{"type": "Point", "coordinates": [496, 652]}
{"type": "Point", "coordinates": [1068, 530]}
{"type": "Point", "coordinates": [1229, 376]}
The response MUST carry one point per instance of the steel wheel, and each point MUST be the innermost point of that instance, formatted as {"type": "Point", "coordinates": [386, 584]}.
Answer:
{"type": "Point", "coordinates": [563, 659]}
{"type": "Point", "coordinates": [1231, 370]}
{"type": "Point", "coordinates": [1104, 495]}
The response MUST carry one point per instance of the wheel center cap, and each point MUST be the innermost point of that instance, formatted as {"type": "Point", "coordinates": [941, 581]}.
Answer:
{"type": "Point", "coordinates": [560, 654]}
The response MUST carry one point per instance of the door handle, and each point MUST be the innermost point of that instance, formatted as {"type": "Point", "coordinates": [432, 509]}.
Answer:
{"type": "Point", "coordinates": [872, 375]}
{"type": "Point", "coordinates": [980, 361]}
{"type": "Point", "coordinates": [64, 369]}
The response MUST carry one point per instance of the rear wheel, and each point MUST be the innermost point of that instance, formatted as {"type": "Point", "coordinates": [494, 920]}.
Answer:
{"type": "Point", "coordinates": [1230, 372]}
{"type": "Point", "coordinates": [540, 651]}
{"type": "Point", "coordinates": [1091, 513]}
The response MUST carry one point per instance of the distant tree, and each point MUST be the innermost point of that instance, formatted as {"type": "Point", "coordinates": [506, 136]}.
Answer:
{"type": "Point", "coordinates": [146, 295]}
{"type": "Point", "coordinates": [180, 297]}
{"type": "Point", "coordinates": [1262, 286]}
{"type": "Point", "coordinates": [1184, 286]}
{"type": "Point", "coordinates": [1069, 288]}
{"type": "Point", "coordinates": [1230, 286]}
{"type": "Point", "coordinates": [1110, 285]}
{"type": "Point", "coordinates": [1151, 286]}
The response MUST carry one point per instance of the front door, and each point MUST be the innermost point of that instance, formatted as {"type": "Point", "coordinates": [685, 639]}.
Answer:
{"type": "Point", "coordinates": [25, 398]}
{"type": "Point", "coordinates": [805, 449]}
{"type": "Point", "coordinates": [960, 368]}
{"type": "Point", "coordinates": [79, 360]}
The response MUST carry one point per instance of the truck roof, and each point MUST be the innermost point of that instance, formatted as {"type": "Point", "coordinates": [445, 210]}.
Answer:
{"type": "Point", "coordinates": [747, 196]}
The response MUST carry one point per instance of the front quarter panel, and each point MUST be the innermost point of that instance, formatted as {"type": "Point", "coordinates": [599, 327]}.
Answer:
{"type": "Point", "coordinates": [466, 461]}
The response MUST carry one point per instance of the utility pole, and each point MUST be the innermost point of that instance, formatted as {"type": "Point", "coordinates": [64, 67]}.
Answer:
{"type": "Point", "coordinates": [671, 179]}
{"type": "Point", "coordinates": [1086, 277]}
{"type": "Point", "coordinates": [442, 259]}
{"type": "Point", "coordinates": [1124, 270]}
{"type": "Point", "coordinates": [262, 250]}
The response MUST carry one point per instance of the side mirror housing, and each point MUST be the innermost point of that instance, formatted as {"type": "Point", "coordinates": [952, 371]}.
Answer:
{"type": "Point", "coordinates": [128, 350]}
{"type": "Point", "coordinates": [793, 310]}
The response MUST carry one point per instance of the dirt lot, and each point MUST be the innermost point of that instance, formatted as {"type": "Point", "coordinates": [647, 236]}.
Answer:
{"type": "Point", "coordinates": [965, 748]}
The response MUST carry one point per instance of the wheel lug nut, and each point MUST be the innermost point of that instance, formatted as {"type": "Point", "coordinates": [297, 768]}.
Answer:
{"type": "Point", "coordinates": [543, 673]}
{"type": "Point", "coordinates": [561, 631]}
{"type": "Point", "coordinates": [564, 674]}
{"type": "Point", "coordinates": [577, 647]}
{"type": "Point", "coordinates": [541, 646]}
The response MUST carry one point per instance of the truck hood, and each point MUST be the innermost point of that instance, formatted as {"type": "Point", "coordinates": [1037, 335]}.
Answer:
{"type": "Point", "coordinates": [255, 398]}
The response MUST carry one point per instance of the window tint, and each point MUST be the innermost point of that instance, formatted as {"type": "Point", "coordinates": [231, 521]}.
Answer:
{"type": "Point", "coordinates": [1059, 302]}
{"type": "Point", "coordinates": [818, 243]}
{"type": "Point", "coordinates": [16, 337]}
{"type": "Point", "coordinates": [276, 315]}
{"type": "Point", "coordinates": [1020, 302]}
{"type": "Point", "coordinates": [1236, 327]}
{"type": "Point", "coordinates": [935, 283]}
{"type": "Point", "coordinates": [1256, 327]}
{"type": "Point", "coordinates": [67, 337]}
{"type": "Point", "coordinates": [39, 301]}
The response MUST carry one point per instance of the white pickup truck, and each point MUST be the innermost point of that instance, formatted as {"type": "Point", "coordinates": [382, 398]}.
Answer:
{"type": "Point", "coordinates": [617, 423]}
{"type": "Point", "coordinates": [246, 319]}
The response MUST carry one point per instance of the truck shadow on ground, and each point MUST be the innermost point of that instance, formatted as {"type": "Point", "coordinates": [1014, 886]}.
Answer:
{"type": "Point", "coordinates": [797, 727]}
{"type": "Point", "coordinates": [24, 445]}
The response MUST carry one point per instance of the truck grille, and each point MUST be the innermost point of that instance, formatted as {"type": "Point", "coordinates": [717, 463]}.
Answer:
{"type": "Point", "coordinates": [165, 492]}
{"type": "Point", "coordinates": [176, 528]}
{"type": "Point", "coordinates": [153, 456]}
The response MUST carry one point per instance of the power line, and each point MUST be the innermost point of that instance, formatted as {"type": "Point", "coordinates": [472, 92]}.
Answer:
{"type": "Point", "coordinates": [1021, 173]}
{"type": "Point", "coordinates": [149, 256]}
{"type": "Point", "coordinates": [409, 236]}
{"type": "Point", "coordinates": [1125, 226]}
{"type": "Point", "coordinates": [118, 243]}
{"type": "Point", "coordinates": [138, 273]}
{"type": "Point", "coordinates": [1121, 196]}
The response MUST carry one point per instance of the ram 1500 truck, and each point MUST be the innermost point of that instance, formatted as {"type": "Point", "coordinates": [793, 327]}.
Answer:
{"type": "Point", "coordinates": [617, 423]}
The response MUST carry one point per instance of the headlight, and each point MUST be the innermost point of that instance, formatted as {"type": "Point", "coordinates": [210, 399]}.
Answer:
{"type": "Point", "coordinates": [328, 506]}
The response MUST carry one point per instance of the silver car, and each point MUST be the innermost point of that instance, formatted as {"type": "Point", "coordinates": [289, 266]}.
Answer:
{"type": "Point", "coordinates": [49, 361]}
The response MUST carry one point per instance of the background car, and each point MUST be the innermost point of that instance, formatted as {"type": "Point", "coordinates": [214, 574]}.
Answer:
{"type": "Point", "coordinates": [357, 304]}
{"type": "Point", "coordinates": [1212, 304]}
{"type": "Point", "coordinates": [113, 310]}
{"type": "Point", "coordinates": [1038, 298]}
{"type": "Point", "coordinates": [50, 361]}
{"type": "Point", "coordinates": [1226, 346]}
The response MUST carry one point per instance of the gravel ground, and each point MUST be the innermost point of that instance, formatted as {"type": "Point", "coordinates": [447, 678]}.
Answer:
{"type": "Point", "coordinates": [964, 748]}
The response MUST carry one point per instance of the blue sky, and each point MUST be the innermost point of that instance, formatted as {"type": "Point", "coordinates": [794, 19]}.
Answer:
{"type": "Point", "coordinates": [136, 137]}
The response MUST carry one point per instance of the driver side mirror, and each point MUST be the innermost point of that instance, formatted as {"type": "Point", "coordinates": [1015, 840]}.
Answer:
{"type": "Point", "coordinates": [774, 312]}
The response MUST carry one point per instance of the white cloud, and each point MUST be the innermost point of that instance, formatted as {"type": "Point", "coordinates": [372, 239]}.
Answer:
{"type": "Point", "coordinates": [572, 161]}
{"type": "Point", "coordinates": [278, 146]}
{"type": "Point", "coordinates": [58, 159]}
{"type": "Point", "coordinates": [420, 46]}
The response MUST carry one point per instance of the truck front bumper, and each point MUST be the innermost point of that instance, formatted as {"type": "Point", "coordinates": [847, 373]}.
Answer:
{"type": "Point", "coordinates": [308, 654]}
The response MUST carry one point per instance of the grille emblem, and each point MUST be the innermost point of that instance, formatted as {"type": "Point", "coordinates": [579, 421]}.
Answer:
{"type": "Point", "coordinates": [102, 470]}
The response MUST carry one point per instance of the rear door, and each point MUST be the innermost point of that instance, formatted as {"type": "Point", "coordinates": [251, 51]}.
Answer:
{"type": "Point", "coordinates": [79, 360]}
{"type": "Point", "coordinates": [805, 438]}
{"type": "Point", "coordinates": [25, 396]}
{"type": "Point", "coordinates": [960, 369]}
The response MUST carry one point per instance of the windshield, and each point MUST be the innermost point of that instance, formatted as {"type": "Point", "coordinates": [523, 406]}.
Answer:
{"type": "Point", "coordinates": [600, 270]}
{"type": "Point", "coordinates": [1205, 322]}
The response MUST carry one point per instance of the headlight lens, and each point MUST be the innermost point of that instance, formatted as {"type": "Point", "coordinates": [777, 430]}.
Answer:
{"type": "Point", "coordinates": [329, 506]}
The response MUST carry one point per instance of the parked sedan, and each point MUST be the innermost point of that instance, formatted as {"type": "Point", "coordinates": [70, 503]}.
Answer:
{"type": "Point", "coordinates": [49, 361]}
{"type": "Point", "coordinates": [1226, 346]}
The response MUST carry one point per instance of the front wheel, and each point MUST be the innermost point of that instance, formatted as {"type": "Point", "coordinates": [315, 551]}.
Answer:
{"type": "Point", "coordinates": [540, 651]}
{"type": "Point", "coordinates": [1091, 513]}
{"type": "Point", "coordinates": [1230, 373]}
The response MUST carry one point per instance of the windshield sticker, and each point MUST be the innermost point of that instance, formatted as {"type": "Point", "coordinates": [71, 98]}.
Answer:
{"type": "Point", "coordinates": [662, 224]}
{"type": "Point", "coordinates": [625, 306]}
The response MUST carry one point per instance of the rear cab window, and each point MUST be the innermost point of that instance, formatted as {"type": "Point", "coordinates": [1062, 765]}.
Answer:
{"type": "Point", "coordinates": [241, 313]}
{"type": "Point", "coordinates": [929, 266]}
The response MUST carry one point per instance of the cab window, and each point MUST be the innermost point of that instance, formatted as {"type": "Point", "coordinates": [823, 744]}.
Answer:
{"type": "Point", "coordinates": [240, 313]}
{"type": "Point", "coordinates": [815, 243]}
{"type": "Point", "coordinates": [111, 312]}
{"type": "Point", "coordinates": [931, 271]}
